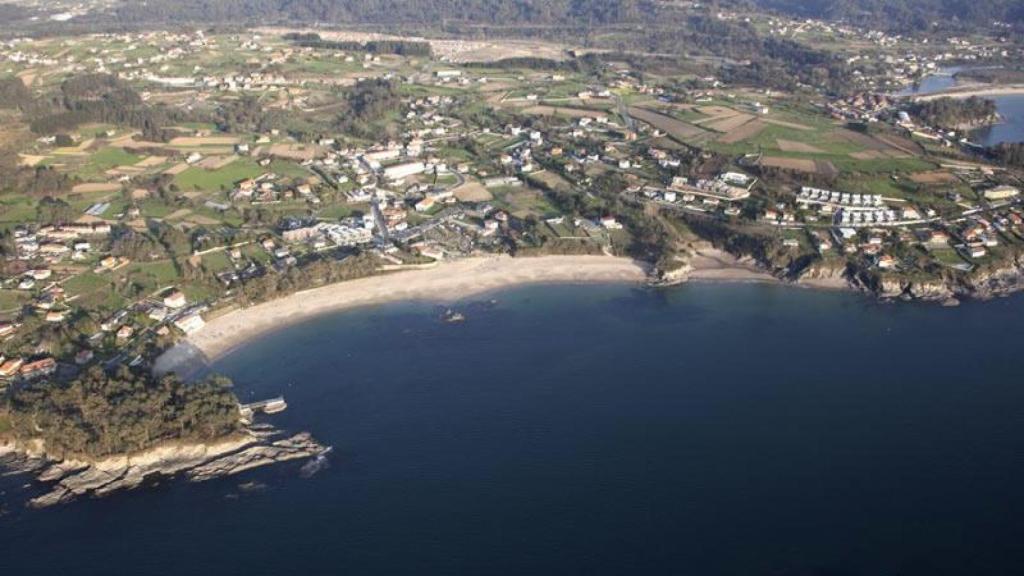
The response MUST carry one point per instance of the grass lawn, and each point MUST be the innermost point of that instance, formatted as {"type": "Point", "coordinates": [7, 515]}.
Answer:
{"type": "Point", "coordinates": [948, 256]}
{"type": "Point", "coordinates": [335, 211]}
{"type": "Point", "coordinates": [86, 283]}
{"type": "Point", "coordinates": [12, 299]}
{"type": "Point", "coordinates": [289, 169]}
{"type": "Point", "coordinates": [151, 208]}
{"type": "Point", "coordinates": [151, 275]}
{"type": "Point", "coordinates": [217, 261]}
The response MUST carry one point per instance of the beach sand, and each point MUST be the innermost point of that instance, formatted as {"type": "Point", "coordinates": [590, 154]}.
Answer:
{"type": "Point", "coordinates": [444, 282]}
{"type": "Point", "coordinates": [714, 265]}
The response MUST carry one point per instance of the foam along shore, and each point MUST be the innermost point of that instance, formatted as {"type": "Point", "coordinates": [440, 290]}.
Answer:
{"type": "Point", "coordinates": [446, 281]}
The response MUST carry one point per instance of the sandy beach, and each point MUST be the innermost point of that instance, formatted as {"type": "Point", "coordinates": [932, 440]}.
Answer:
{"type": "Point", "coordinates": [713, 265]}
{"type": "Point", "coordinates": [443, 282]}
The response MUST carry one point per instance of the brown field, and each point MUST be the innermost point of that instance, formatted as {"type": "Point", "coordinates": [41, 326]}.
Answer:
{"type": "Point", "coordinates": [869, 155]}
{"type": "Point", "coordinates": [902, 144]}
{"type": "Point", "coordinates": [178, 214]}
{"type": "Point", "coordinates": [566, 112]}
{"type": "Point", "coordinates": [729, 123]}
{"type": "Point", "coordinates": [176, 169]}
{"type": "Point", "coordinates": [800, 165]}
{"type": "Point", "coordinates": [675, 128]}
{"type": "Point", "coordinates": [715, 111]}
{"type": "Point", "coordinates": [201, 220]}
{"type": "Point", "coordinates": [127, 143]}
{"type": "Point", "coordinates": [785, 124]}
{"type": "Point", "coordinates": [933, 177]}
{"type": "Point", "coordinates": [216, 162]}
{"type": "Point", "coordinates": [880, 148]}
{"type": "Point", "coordinates": [29, 160]}
{"type": "Point", "coordinates": [124, 171]}
{"type": "Point", "coordinates": [96, 187]}
{"type": "Point", "coordinates": [472, 192]}
{"type": "Point", "coordinates": [186, 141]}
{"type": "Point", "coordinates": [802, 147]}
{"type": "Point", "coordinates": [150, 161]}
{"type": "Point", "coordinates": [27, 77]}
{"type": "Point", "coordinates": [826, 168]}
{"type": "Point", "coordinates": [551, 180]}
{"type": "Point", "coordinates": [79, 150]}
{"type": "Point", "coordinates": [294, 151]}
{"type": "Point", "coordinates": [748, 130]}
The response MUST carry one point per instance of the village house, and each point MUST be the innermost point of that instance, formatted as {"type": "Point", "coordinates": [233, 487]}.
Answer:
{"type": "Point", "coordinates": [176, 299]}
{"type": "Point", "coordinates": [190, 323]}
{"type": "Point", "coordinates": [38, 369]}
{"type": "Point", "coordinates": [10, 368]}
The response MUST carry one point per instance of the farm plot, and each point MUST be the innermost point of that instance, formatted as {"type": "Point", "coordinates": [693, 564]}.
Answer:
{"type": "Point", "coordinates": [742, 133]}
{"type": "Point", "coordinates": [677, 129]}
{"type": "Point", "coordinates": [728, 123]}
{"type": "Point", "coordinates": [802, 147]}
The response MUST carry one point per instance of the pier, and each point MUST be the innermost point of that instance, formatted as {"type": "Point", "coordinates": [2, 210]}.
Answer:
{"type": "Point", "coordinates": [271, 406]}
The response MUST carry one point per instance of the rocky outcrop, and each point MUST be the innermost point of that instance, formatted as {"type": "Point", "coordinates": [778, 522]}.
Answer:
{"type": "Point", "coordinates": [71, 479]}
{"type": "Point", "coordinates": [294, 448]}
{"type": "Point", "coordinates": [998, 281]}
{"type": "Point", "coordinates": [930, 291]}
{"type": "Point", "coordinates": [825, 276]}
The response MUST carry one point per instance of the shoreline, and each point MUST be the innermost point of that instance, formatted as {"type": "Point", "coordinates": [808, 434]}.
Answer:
{"type": "Point", "coordinates": [443, 282]}
{"type": "Point", "coordinates": [446, 282]}
{"type": "Point", "coordinates": [968, 90]}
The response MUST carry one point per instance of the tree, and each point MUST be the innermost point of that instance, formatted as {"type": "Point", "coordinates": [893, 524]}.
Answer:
{"type": "Point", "coordinates": [101, 414]}
{"type": "Point", "coordinates": [54, 211]}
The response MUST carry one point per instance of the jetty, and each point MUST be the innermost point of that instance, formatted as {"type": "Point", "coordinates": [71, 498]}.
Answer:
{"type": "Point", "coordinates": [271, 406]}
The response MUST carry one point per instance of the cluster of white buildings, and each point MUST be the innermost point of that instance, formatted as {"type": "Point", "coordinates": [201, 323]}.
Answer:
{"type": "Point", "coordinates": [817, 196]}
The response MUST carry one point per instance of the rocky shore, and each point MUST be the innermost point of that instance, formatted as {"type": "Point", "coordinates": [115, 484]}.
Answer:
{"type": "Point", "coordinates": [67, 480]}
{"type": "Point", "coordinates": [949, 290]}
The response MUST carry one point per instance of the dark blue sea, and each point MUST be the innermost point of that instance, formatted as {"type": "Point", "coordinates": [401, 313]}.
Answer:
{"type": "Point", "coordinates": [702, 430]}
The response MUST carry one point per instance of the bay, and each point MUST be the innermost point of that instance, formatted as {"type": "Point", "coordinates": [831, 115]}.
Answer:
{"type": "Point", "coordinates": [706, 429]}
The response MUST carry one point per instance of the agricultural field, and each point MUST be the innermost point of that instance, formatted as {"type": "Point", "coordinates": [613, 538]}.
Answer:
{"type": "Point", "coordinates": [202, 179]}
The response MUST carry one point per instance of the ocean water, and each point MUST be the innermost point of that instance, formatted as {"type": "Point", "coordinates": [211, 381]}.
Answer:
{"type": "Point", "coordinates": [706, 430]}
{"type": "Point", "coordinates": [1010, 129]}
{"type": "Point", "coordinates": [1010, 107]}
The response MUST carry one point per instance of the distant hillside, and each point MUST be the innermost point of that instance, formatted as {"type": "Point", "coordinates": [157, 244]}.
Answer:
{"type": "Point", "coordinates": [431, 12]}
{"type": "Point", "coordinates": [458, 16]}
{"type": "Point", "coordinates": [907, 15]}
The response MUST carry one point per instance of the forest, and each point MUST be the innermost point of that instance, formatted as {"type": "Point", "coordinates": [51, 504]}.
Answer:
{"type": "Point", "coordinates": [953, 113]}
{"type": "Point", "coordinates": [99, 414]}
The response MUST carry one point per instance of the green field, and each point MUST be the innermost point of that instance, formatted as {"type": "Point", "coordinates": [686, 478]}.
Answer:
{"type": "Point", "coordinates": [104, 159]}
{"type": "Point", "coordinates": [196, 178]}
{"type": "Point", "coordinates": [17, 209]}
{"type": "Point", "coordinates": [86, 283]}
{"type": "Point", "coordinates": [12, 300]}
